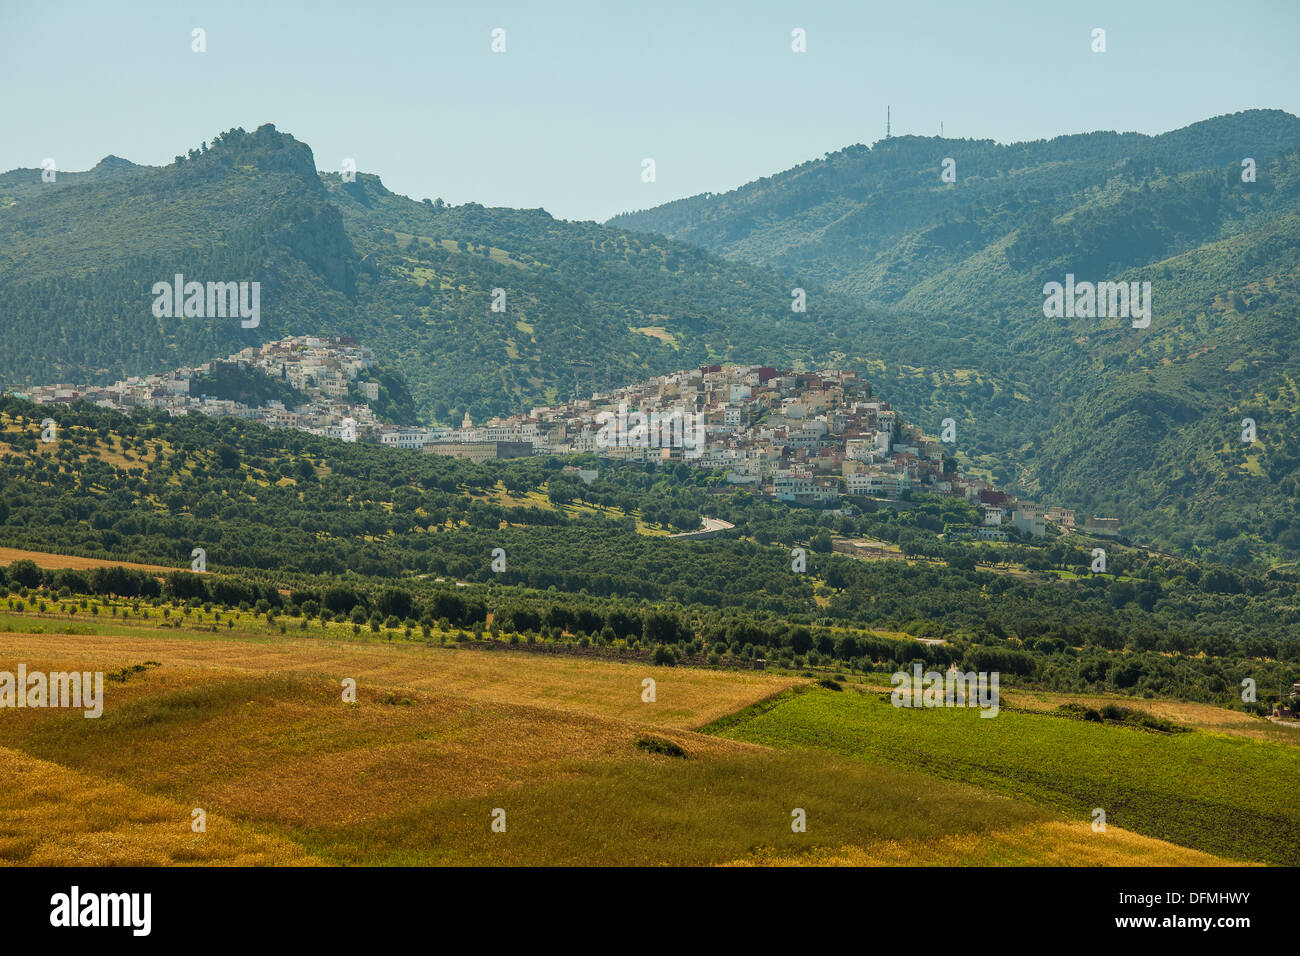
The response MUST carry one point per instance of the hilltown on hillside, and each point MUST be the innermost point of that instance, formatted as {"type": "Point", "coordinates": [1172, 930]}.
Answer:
{"type": "Point", "coordinates": [809, 438]}
{"type": "Point", "coordinates": [323, 369]}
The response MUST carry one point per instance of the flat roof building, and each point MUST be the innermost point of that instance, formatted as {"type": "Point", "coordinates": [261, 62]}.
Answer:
{"type": "Point", "coordinates": [480, 450]}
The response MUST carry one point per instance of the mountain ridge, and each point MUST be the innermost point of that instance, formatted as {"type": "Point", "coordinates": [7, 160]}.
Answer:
{"type": "Point", "coordinates": [961, 268]}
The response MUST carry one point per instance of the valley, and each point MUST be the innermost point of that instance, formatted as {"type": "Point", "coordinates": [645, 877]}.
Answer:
{"type": "Point", "coordinates": [430, 534]}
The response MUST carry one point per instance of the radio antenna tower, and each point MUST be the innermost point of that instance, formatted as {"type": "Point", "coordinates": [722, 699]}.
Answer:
{"type": "Point", "coordinates": [886, 122]}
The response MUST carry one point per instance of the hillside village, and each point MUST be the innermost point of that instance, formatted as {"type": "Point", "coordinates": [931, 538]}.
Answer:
{"type": "Point", "coordinates": [808, 438]}
{"type": "Point", "coordinates": [323, 369]}
{"type": "Point", "coordinates": [815, 439]}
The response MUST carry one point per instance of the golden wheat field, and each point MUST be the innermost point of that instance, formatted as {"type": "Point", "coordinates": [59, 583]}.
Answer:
{"type": "Point", "coordinates": [53, 816]}
{"type": "Point", "coordinates": [254, 731]}
{"type": "Point", "coordinates": [54, 562]}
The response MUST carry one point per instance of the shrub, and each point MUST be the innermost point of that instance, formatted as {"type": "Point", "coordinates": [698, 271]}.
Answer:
{"type": "Point", "coordinates": [658, 745]}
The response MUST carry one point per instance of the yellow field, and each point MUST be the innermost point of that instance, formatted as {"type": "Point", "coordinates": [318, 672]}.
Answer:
{"type": "Point", "coordinates": [52, 816]}
{"type": "Point", "coordinates": [658, 332]}
{"type": "Point", "coordinates": [53, 562]}
{"type": "Point", "coordinates": [254, 730]}
{"type": "Point", "coordinates": [685, 697]}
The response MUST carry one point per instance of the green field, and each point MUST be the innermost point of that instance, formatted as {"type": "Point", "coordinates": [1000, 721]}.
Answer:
{"type": "Point", "coordinates": [1222, 794]}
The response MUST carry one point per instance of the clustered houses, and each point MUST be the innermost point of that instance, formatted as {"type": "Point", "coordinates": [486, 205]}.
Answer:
{"type": "Point", "coordinates": [323, 369]}
{"type": "Point", "coordinates": [803, 437]}
{"type": "Point", "coordinates": [809, 438]}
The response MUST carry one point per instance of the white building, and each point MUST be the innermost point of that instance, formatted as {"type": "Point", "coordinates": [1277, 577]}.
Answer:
{"type": "Point", "coordinates": [875, 484]}
{"type": "Point", "coordinates": [413, 438]}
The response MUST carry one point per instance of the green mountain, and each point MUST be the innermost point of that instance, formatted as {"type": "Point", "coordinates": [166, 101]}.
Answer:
{"type": "Point", "coordinates": [1142, 423]}
{"type": "Point", "coordinates": [79, 257]}
{"type": "Point", "coordinates": [585, 306]}
{"type": "Point", "coordinates": [878, 222]}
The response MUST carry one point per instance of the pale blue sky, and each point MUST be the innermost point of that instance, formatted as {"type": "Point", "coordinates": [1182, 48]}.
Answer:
{"type": "Point", "coordinates": [586, 90]}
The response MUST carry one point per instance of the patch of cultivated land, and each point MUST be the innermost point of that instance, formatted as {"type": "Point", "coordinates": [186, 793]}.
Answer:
{"type": "Point", "coordinates": [253, 729]}
{"type": "Point", "coordinates": [54, 562]}
{"type": "Point", "coordinates": [685, 697]}
{"type": "Point", "coordinates": [1198, 716]}
{"type": "Point", "coordinates": [53, 816]}
{"type": "Point", "coordinates": [1224, 794]}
